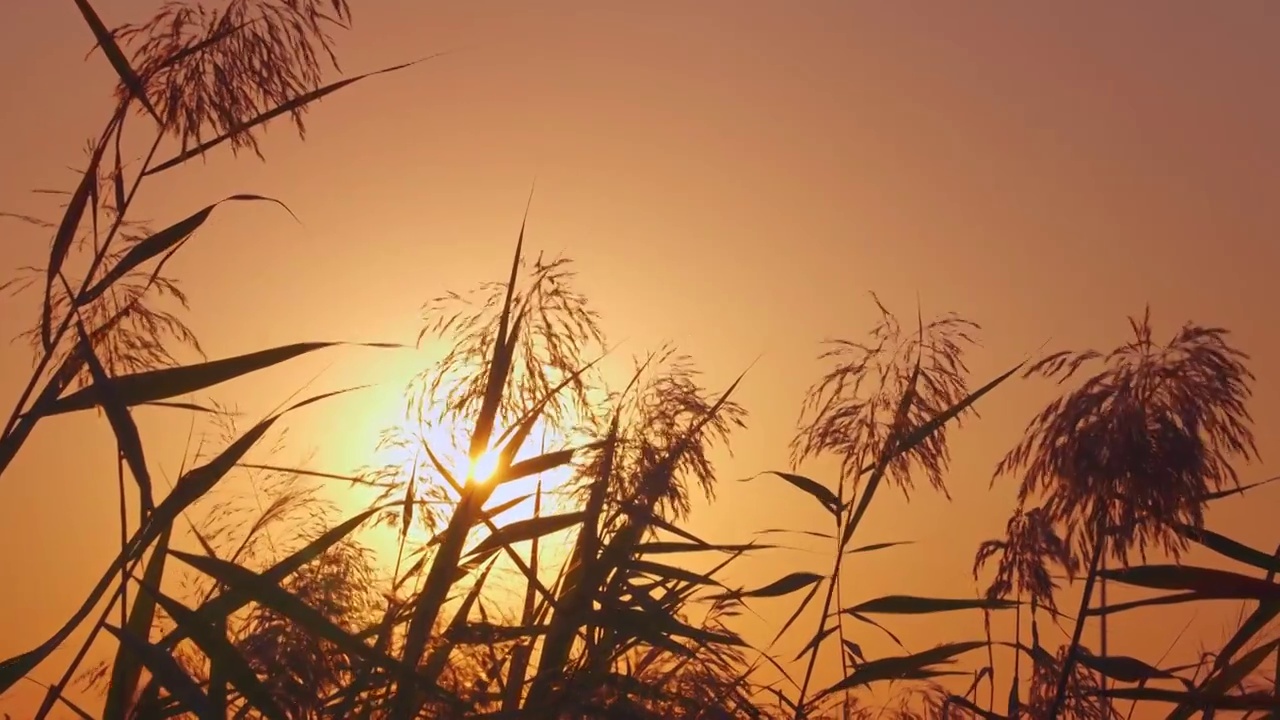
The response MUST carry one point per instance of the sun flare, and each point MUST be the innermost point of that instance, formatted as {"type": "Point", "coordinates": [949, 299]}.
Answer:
{"type": "Point", "coordinates": [482, 469]}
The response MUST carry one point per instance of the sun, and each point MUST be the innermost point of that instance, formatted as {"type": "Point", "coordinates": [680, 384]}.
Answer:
{"type": "Point", "coordinates": [481, 469]}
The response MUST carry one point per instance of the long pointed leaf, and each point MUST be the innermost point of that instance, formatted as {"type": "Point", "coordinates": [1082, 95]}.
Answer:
{"type": "Point", "coordinates": [812, 488]}
{"type": "Point", "coordinates": [171, 675]}
{"type": "Point", "coordinates": [165, 383]}
{"type": "Point", "coordinates": [221, 653]}
{"type": "Point", "coordinates": [127, 667]}
{"type": "Point", "coordinates": [160, 243]}
{"type": "Point", "coordinates": [1207, 582]}
{"type": "Point", "coordinates": [903, 666]}
{"type": "Point", "coordinates": [281, 109]}
{"type": "Point", "coordinates": [912, 605]}
{"type": "Point", "coordinates": [782, 586]}
{"type": "Point", "coordinates": [529, 529]}
{"type": "Point", "coordinates": [128, 441]}
{"type": "Point", "coordinates": [116, 56]}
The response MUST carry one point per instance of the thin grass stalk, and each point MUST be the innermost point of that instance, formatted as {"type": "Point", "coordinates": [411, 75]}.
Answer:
{"type": "Point", "coordinates": [580, 580]}
{"type": "Point", "coordinates": [1073, 650]}
{"type": "Point", "coordinates": [1102, 621]}
{"type": "Point", "coordinates": [822, 626]}
{"type": "Point", "coordinates": [445, 563]}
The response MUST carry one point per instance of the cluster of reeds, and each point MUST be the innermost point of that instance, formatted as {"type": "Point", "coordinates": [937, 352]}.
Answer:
{"type": "Point", "coordinates": [283, 614]}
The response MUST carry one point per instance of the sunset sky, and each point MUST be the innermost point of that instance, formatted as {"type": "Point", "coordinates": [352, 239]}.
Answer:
{"type": "Point", "coordinates": [731, 176]}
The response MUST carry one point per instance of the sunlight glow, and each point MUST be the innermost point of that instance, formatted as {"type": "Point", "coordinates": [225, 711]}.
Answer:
{"type": "Point", "coordinates": [482, 468]}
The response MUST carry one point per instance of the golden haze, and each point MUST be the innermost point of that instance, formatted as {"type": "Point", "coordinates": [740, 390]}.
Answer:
{"type": "Point", "coordinates": [731, 176]}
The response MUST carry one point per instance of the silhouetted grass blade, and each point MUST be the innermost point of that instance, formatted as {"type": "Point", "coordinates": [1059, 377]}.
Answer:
{"type": "Point", "coordinates": [533, 466]}
{"type": "Point", "coordinates": [529, 529]}
{"type": "Point", "coordinates": [1222, 680]}
{"type": "Point", "coordinates": [1124, 668]}
{"type": "Point", "coordinates": [227, 603]}
{"type": "Point", "coordinates": [164, 383]}
{"type": "Point", "coordinates": [1229, 548]}
{"type": "Point", "coordinates": [127, 668]}
{"type": "Point", "coordinates": [126, 432]}
{"type": "Point", "coordinates": [116, 56]}
{"type": "Point", "coordinates": [899, 667]}
{"type": "Point", "coordinates": [667, 546]}
{"type": "Point", "coordinates": [668, 572]}
{"type": "Point", "coordinates": [1205, 582]}
{"type": "Point", "coordinates": [782, 586]}
{"type": "Point", "coordinates": [171, 675]}
{"type": "Point", "coordinates": [66, 234]}
{"type": "Point", "coordinates": [269, 594]}
{"type": "Point", "coordinates": [160, 243]}
{"type": "Point", "coordinates": [813, 488]}
{"type": "Point", "coordinates": [220, 652]}
{"type": "Point", "coordinates": [281, 109]}
{"type": "Point", "coordinates": [877, 546]}
{"type": "Point", "coordinates": [912, 605]}
{"type": "Point", "coordinates": [1197, 701]}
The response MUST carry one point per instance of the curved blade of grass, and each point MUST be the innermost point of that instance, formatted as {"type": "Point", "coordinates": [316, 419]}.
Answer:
{"type": "Point", "coordinates": [203, 45]}
{"type": "Point", "coordinates": [782, 586]}
{"type": "Point", "coordinates": [281, 109]}
{"type": "Point", "coordinates": [128, 441]}
{"type": "Point", "coordinates": [164, 383]}
{"type": "Point", "coordinates": [1229, 548]}
{"type": "Point", "coordinates": [198, 481]}
{"type": "Point", "coordinates": [902, 666]}
{"type": "Point", "coordinates": [1124, 668]}
{"type": "Point", "coordinates": [811, 533]}
{"type": "Point", "coordinates": [496, 510]}
{"type": "Point", "coordinates": [1195, 700]}
{"type": "Point", "coordinates": [533, 466]}
{"type": "Point", "coordinates": [665, 546]}
{"type": "Point", "coordinates": [1173, 599]}
{"type": "Point", "coordinates": [127, 667]}
{"type": "Point", "coordinates": [878, 546]}
{"type": "Point", "coordinates": [171, 675]}
{"type": "Point", "coordinates": [915, 438]}
{"type": "Point", "coordinates": [529, 529]}
{"type": "Point", "coordinates": [812, 488]}
{"type": "Point", "coordinates": [878, 626]}
{"type": "Point", "coordinates": [912, 605]}
{"type": "Point", "coordinates": [668, 572]}
{"type": "Point", "coordinates": [221, 653]}
{"type": "Point", "coordinates": [162, 242]}
{"type": "Point", "coordinates": [659, 522]}
{"type": "Point", "coordinates": [1205, 582]}
{"type": "Point", "coordinates": [813, 591]}
{"type": "Point", "coordinates": [1240, 490]}
{"type": "Point", "coordinates": [487, 633]}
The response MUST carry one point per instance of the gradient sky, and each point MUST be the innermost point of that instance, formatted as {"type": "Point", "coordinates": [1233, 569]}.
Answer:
{"type": "Point", "coordinates": [732, 176]}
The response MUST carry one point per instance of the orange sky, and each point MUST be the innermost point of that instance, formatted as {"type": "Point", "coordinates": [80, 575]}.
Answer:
{"type": "Point", "coordinates": [733, 176]}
